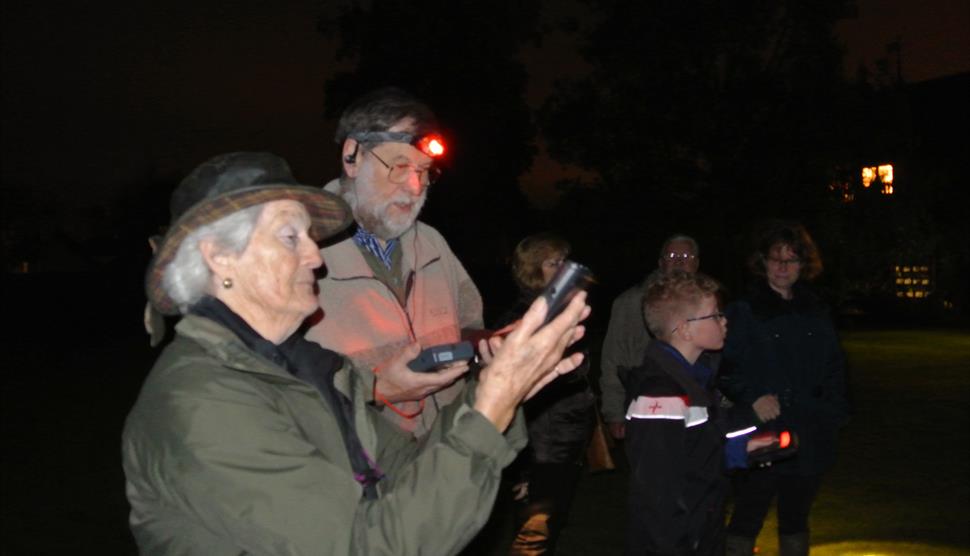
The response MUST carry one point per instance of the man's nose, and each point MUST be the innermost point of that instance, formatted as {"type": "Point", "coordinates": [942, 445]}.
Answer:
{"type": "Point", "coordinates": [414, 184]}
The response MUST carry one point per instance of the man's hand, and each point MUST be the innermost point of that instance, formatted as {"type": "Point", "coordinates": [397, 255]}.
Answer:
{"type": "Point", "coordinates": [617, 430]}
{"type": "Point", "coordinates": [396, 383]}
{"type": "Point", "coordinates": [767, 407]}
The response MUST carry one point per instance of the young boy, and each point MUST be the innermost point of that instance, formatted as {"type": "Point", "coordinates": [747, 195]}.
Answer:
{"type": "Point", "coordinates": [676, 431]}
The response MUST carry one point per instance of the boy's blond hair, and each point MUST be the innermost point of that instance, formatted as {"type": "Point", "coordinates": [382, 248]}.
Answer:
{"type": "Point", "coordinates": [672, 297]}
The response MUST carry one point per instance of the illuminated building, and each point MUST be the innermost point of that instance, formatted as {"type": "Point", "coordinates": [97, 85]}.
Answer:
{"type": "Point", "coordinates": [913, 281]}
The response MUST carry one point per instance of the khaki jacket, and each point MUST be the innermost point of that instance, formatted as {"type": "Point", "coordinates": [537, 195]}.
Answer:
{"type": "Point", "coordinates": [624, 348]}
{"type": "Point", "coordinates": [363, 319]}
{"type": "Point", "coordinates": [226, 453]}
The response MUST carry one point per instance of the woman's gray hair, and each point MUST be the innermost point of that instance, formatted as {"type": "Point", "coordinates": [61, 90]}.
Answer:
{"type": "Point", "coordinates": [188, 277]}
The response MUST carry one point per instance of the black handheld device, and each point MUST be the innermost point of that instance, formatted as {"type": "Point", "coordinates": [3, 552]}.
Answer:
{"type": "Point", "coordinates": [568, 281]}
{"type": "Point", "coordinates": [433, 357]}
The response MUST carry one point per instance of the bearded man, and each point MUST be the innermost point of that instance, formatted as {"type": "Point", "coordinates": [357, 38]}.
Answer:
{"type": "Point", "coordinates": [395, 286]}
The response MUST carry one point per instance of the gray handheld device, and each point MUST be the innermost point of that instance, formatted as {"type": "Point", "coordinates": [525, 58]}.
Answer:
{"type": "Point", "coordinates": [433, 357]}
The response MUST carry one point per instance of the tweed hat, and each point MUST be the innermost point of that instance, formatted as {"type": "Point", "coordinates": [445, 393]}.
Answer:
{"type": "Point", "coordinates": [229, 183]}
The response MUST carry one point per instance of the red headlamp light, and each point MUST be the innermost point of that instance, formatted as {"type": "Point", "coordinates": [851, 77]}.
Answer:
{"type": "Point", "coordinates": [432, 145]}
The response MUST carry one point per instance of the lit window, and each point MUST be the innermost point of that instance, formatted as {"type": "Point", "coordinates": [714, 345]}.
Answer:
{"type": "Point", "coordinates": [882, 172]}
{"type": "Point", "coordinates": [886, 173]}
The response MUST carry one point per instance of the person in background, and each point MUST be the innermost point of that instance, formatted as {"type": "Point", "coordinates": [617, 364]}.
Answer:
{"type": "Point", "coordinates": [248, 439]}
{"type": "Point", "coordinates": [627, 336]}
{"type": "Point", "coordinates": [559, 419]}
{"type": "Point", "coordinates": [782, 342]}
{"type": "Point", "coordinates": [394, 286]}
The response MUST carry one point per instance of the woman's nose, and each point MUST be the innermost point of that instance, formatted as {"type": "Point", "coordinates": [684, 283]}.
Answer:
{"type": "Point", "coordinates": [311, 254]}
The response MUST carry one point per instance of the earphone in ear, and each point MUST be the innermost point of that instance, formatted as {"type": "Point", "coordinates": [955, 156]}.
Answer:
{"type": "Point", "coordinates": [352, 157]}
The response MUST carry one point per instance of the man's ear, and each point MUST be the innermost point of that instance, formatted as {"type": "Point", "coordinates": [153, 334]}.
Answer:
{"type": "Point", "coordinates": [219, 262]}
{"type": "Point", "coordinates": [348, 157]}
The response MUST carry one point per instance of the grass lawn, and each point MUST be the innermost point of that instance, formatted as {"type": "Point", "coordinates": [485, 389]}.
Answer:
{"type": "Point", "coordinates": [901, 485]}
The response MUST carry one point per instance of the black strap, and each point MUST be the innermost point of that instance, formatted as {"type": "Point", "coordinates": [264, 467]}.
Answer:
{"type": "Point", "coordinates": [312, 364]}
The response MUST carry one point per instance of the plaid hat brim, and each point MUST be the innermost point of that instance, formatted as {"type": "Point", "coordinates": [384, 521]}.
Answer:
{"type": "Point", "coordinates": [329, 215]}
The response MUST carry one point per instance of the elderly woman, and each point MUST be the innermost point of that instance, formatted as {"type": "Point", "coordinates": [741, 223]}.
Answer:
{"type": "Point", "coordinates": [559, 419]}
{"type": "Point", "coordinates": [782, 342]}
{"type": "Point", "coordinates": [246, 438]}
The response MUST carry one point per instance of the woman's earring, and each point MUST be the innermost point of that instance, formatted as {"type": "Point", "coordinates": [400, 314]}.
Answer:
{"type": "Point", "coordinates": [227, 283]}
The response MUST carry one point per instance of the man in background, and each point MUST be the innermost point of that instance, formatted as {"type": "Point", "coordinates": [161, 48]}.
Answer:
{"type": "Point", "coordinates": [626, 338]}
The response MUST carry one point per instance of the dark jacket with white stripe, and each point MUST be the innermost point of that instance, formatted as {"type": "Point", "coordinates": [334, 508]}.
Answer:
{"type": "Point", "coordinates": [675, 435]}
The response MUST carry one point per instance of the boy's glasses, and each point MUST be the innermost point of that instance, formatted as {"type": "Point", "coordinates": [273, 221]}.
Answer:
{"type": "Point", "coordinates": [718, 316]}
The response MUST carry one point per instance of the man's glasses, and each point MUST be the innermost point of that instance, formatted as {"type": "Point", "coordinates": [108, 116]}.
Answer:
{"type": "Point", "coordinates": [398, 173]}
{"type": "Point", "coordinates": [680, 256]}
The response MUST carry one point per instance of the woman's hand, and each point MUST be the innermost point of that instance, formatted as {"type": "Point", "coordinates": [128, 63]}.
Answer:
{"type": "Point", "coordinates": [527, 359]}
{"type": "Point", "coordinates": [396, 382]}
{"type": "Point", "coordinates": [767, 407]}
{"type": "Point", "coordinates": [487, 348]}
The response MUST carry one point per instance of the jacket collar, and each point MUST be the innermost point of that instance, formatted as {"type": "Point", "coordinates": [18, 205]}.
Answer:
{"type": "Point", "coordinates": [767, 303]}
{"type": "Point", "coordinates": [675, 367]}
{"type": "Point", "coordinates": [416, 253]}
{"type": "Point", "coordinates": [222, 344]}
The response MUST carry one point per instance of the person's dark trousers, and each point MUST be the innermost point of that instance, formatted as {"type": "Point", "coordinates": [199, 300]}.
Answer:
{"type": "Point", "coordinates": [711, 541]}
{"type": "Point", "coordinates": [754, 489]}
{"type": "Point", "coordinates": [552, 487]}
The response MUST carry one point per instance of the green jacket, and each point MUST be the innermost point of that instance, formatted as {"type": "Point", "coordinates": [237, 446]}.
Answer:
{"type": "Point", "coordinates": [226, 453]}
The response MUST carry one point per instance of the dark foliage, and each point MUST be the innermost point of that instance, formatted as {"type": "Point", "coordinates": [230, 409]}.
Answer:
{"type": "Point", "coordinates": [700, 116]}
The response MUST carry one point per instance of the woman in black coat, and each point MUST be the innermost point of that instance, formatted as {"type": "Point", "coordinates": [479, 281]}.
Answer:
{"type": "Point", "coordinates": [559, 419]}
{"type": "Point", "coordinates": [782, 341]}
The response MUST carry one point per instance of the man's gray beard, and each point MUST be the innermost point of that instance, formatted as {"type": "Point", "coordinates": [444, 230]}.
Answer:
{"type": "Point", "coordinates": [369, 216]}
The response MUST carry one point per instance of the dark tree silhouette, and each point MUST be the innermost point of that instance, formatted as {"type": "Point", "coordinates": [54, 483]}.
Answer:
{"type": "Point", "coordinates": [700, 116]}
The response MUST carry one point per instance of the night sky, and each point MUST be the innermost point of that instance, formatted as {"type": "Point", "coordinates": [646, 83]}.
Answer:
{"type": "Point", "coordinates": [101, 98]}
